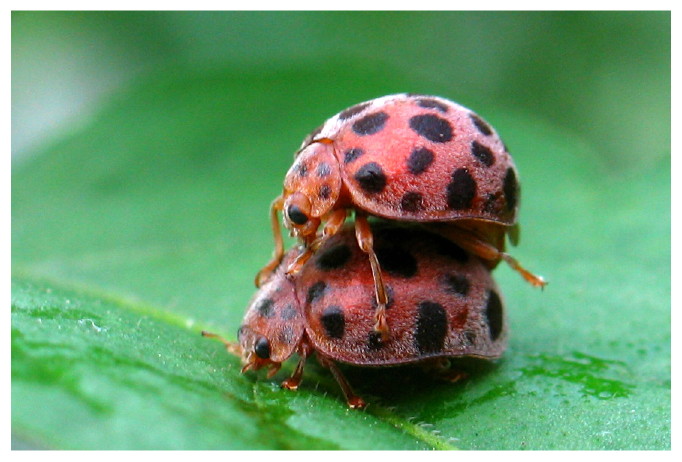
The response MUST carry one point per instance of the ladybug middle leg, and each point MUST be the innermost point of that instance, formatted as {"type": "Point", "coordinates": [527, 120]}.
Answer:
{"type": "Point", "coordinates": [470, 242]}
{"type": "Point", "coordinates": [363, 234]}
{"type": "Point", "coordinates": [294, 381]}
{"type": "Point", "coordinates": [442, 369]}
{"type": "Point", "coordinates": [353, 400]}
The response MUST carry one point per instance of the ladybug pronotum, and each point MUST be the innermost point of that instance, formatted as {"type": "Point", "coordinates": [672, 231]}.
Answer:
{"type": "Point", "coordinates": [443, 304]}
{"type": "Point", "coordinates": [401, 157]}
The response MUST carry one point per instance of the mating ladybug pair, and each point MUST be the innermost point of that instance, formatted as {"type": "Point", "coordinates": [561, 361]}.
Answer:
{"type": "Point", "coordinates": [416, 287]}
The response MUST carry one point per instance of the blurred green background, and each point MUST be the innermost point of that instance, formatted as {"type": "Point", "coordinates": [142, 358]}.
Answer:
{"type": "Point", "coordinates": [147, 147]}
{"type": "Point", "coordinates": [603, 76]}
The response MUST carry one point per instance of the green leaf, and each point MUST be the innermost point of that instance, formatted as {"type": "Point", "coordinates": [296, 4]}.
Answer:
{"type": "Point", "coordinates": [148, 224]}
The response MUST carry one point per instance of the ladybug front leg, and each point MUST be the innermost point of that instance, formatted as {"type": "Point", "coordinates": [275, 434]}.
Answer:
{"type": "Point", "coordinates": [335, 221]}
{"type": "Point", "coordinates": [294, 381]}
{"type": "Point", "coordinates": [278, 253]}
{"type": "Point", "coordinates": [363, 234]}
{"type": "Point", "coordinates": [353, 400]}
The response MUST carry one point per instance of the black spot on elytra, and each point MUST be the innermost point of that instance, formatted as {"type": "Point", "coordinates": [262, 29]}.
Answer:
{"type": "Point", "coordinates": [286, 335]}
{"type": "Point", "coordinates": [371, 178]}
{"type": "Point", "coordinates": [411, 202]}
{"type": "Point", "coordinates": [333, 321]}
{"type": "Point", "coordinates": [398, 234]}
{"type": "Point", "coordinates": [315, 291]}
{"type": "Point", "coordinates": [430, 103]}
{"type": "Point", "coordinates": [262, 348]}
{"type": "Point", "coordinates": [510, 188]}
{"type": "Point", "coordinates": [481, 125]}
{"type": "Point", "coordinates": [461, 190]}
{"type": "Point", "coordinates": [370, 124]}
{"type": "Point", "coordinates": [396, 260]}
{"type": "Point", "coordinates": [374, 341]}
{"type": "Point", "coordinates": [470, 337]}
{"type": "Point", "coordinates": [353, 110]}
{"type": "Point", "coordinates": [333, 258]}
{"type": "Point", "coordinates": [432, 327]}
{"type": "Point", "coordinates": [389, 296]}
{"type": "Point", "coordinates": [432, 127]}
{"type": "Point", "coordinates": [483, 153]}
{"type": "Point", "coordinates": [493, 313]}
{"type": "Point", "coordinates": [323, 169]}
{"type": "Point", "coordinates": [288, 313]}
{"type": "Point", "coordinates": [490, 205]}
{"type": "Point", "coordinates": [457, 284]}
{"type": "Point", "coordinates": [265, 308]}
{"type": "Point", "coordinates": [324, 192]}
{"type": "Point", "coordinates": [302, 169]}
{"type": "Point", "coordinates": [419, 160]}
{"type": "Point", "coordinates": [352, 154]}
{"type": "Point", "coordinates": [447, 248]}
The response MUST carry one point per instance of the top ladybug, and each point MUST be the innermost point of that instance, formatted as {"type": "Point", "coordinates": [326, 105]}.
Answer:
{"type": "Point", "coordinates": [401, 157]}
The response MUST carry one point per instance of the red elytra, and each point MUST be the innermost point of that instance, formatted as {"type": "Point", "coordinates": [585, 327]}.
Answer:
{"type": "Point", "coordinates": [408, 158]}
{"type": "Point", "coordinates": [443, 304]}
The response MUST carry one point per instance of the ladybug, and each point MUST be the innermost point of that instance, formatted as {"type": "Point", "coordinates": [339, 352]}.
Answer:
{"type": "Point", "coordinates": [443, 304]}
{"type": "Point", "coordinates": [401, 157]}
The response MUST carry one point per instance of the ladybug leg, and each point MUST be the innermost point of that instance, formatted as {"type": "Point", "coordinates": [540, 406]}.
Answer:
{"type": "Point", "coordinates": [335, 221]}
{"type": "Point", "coordinates": [353, 400]}
{"type": "Point", "coordinates": [471, 243]}
{"type": "Point", "coordinates": [442, 369]}
{"type": "Point", "coordinates": [274, 368]}
{"type": "Point", "coordinates": [296, 265]}
{"type": "Point", "coordinates": [294, 381]}
{"type": "Point", "coordinates": [363, 234]}
{"type": "Point", "coordinates": [278, 253]}
{"type": "Point", "coordinates": [533, 279]}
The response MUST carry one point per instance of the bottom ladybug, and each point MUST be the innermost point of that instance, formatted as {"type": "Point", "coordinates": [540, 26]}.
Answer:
{"type": "Point", "coordinates": [443, 303]}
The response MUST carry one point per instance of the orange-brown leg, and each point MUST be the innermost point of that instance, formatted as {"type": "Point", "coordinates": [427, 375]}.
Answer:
{"type": "Point", "coordinates": [473, 244]}
{"type": "Point", "coordinates": [363, 234]}
{"type": "Point", "coordinates": [274, 368]}
{"type": "Point", "coordinates": [441, 368]}
{"type": "Point", "coordinates": [294, 381]}
{"type": "Point", "coordinates": [335, 221]}
{"type": "Point", "coordinates": [353, 400]}
{"type": "Point", "coordinates": [278, 253]}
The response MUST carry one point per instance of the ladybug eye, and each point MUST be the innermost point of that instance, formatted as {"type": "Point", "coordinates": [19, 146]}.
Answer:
{"type": "Point", "coordinates": [296, 215]}
{"type": "Point", "coordinates": [297, 210]}
{"type": "Point", "coordinates": [262, 348]}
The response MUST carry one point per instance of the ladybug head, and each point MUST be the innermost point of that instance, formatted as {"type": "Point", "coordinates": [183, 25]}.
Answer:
{"type": "Point", "coordinates": [311, 188]}
{"type": "Point", "coordinates": [298, 215]}
{"type": "Point", "coordinates": [273, 325]}
{"type": "Point", "coordinates": [256, 350]}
